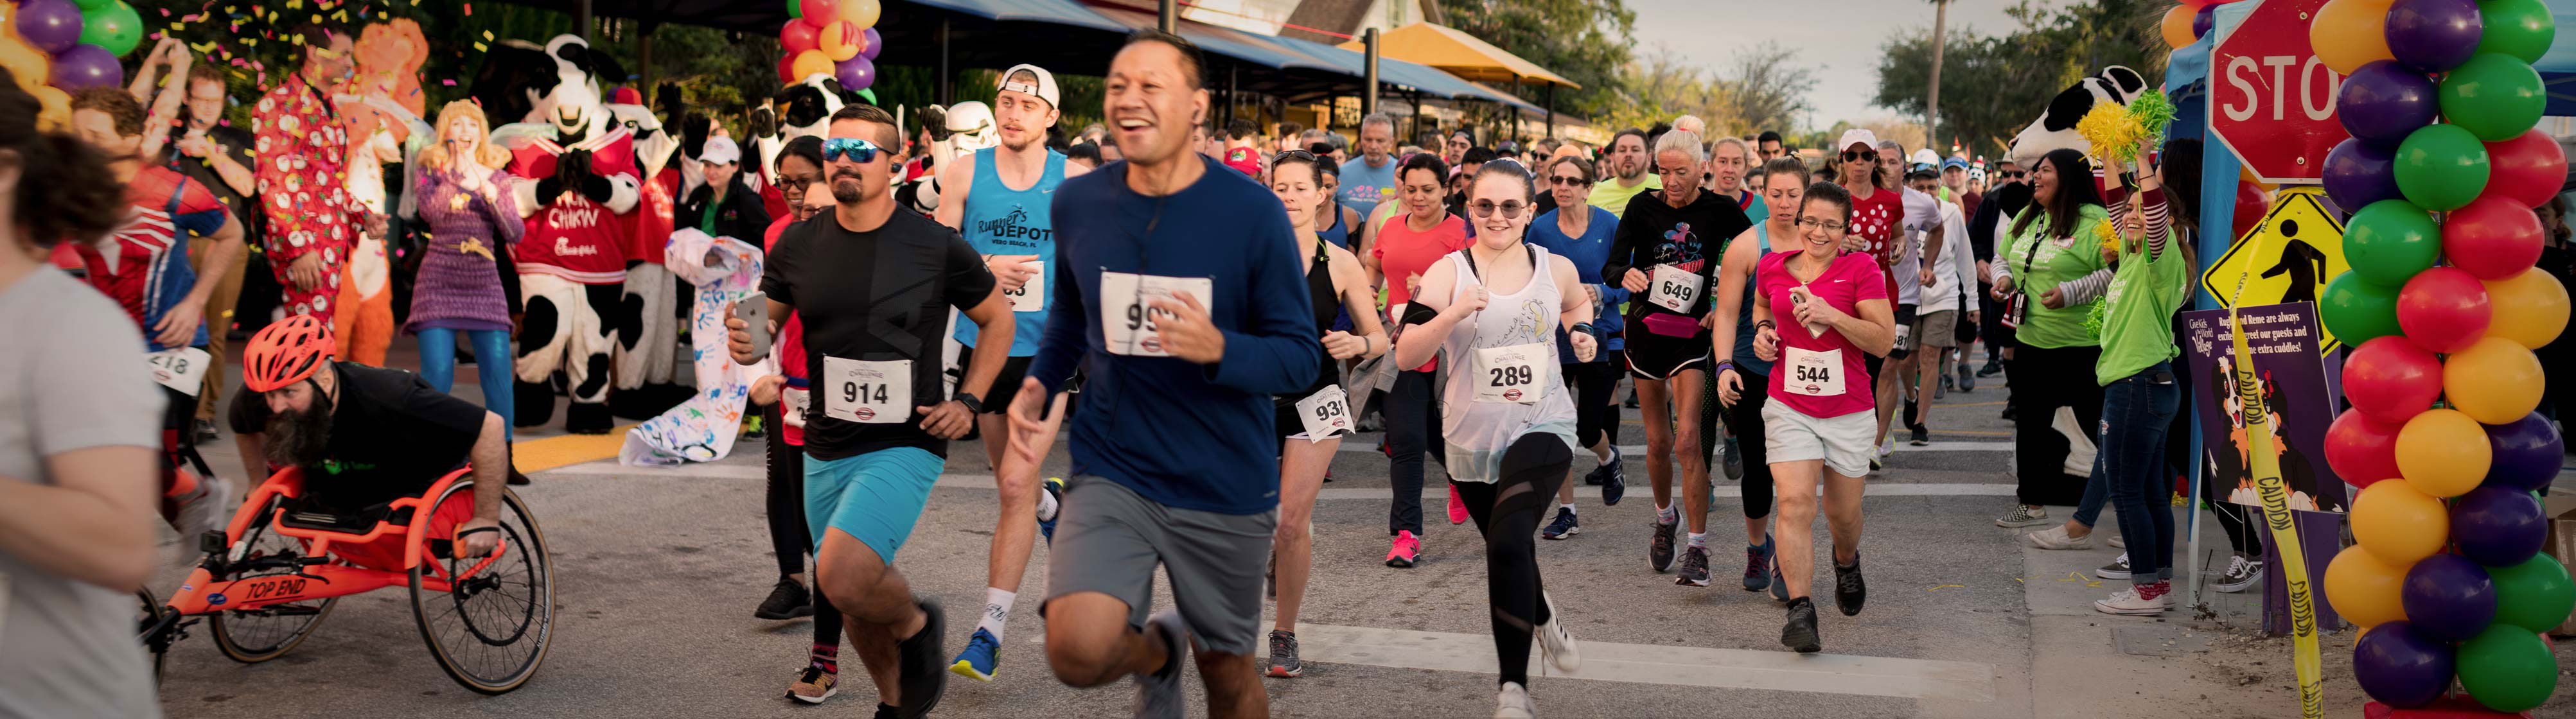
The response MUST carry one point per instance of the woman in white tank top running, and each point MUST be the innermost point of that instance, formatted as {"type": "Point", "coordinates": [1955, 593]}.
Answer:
{"type": "Point", "coordinates": [1508, 425]}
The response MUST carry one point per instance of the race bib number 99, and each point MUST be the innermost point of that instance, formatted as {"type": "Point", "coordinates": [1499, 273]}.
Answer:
{"type": "Point", "coordinates": [1516, 373]}
{"type": "Point", "coordinates": [1674, 288]}
{"type": "Point", "coordinates": [1030, 297]}
{"type": "Point", "coordinates": [867, 392]}
{"type": "Point", "coordinates": [1812, 373]}
{"type": "Point", "coordinates": [1127, 322]}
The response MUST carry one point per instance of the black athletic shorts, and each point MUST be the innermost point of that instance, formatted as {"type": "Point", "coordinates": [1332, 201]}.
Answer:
{"type": "Point", "coordinates": [1657, 357]}
{"type": "Point", "coordinates": [1006, 386]}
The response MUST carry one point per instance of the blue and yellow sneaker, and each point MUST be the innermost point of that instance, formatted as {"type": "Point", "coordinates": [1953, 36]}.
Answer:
{"type": "Point", "coordinates": [1054, 487]}
{"type": "Point", "coordinates": [981, 658]}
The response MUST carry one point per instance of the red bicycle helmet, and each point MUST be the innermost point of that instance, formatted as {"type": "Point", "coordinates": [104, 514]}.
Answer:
{"type": "Point", "coordinates": [286, 352]}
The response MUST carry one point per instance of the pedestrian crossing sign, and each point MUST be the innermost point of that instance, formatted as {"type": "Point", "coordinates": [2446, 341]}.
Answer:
{"type": "Point", "coordinates": [2288, 257]}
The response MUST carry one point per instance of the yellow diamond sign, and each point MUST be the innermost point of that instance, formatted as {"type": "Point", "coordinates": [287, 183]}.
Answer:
{"type": "Point", "coordinates": [2300, 249]}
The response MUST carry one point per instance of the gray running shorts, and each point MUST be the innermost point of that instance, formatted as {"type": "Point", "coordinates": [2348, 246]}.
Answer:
{"type": "Point", "coordinates": [1108, 539]}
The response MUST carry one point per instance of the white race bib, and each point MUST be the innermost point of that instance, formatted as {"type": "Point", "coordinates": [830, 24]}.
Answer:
{"type": "Point", "coordinates": [1674, 288]}
{"type": "Point", "coordinates": [1127, 315]}
{"type": "Point", "coordinates": [1812, 373]}
{"type": "Point", "coordinates": [867, 392]}
{"type": "Point", "coordinates": [1030, 297]}
{"type": "Point", "coordinates": [1326, 413]}
{"type": "Point", "coordinates": [792, 404]}
{"type": "Point", "coordinates": [182, 369]}
{"type": "Point", "coordinates": [1517, 373]}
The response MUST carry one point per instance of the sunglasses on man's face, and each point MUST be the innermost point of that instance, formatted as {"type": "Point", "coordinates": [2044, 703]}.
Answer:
{"type": "Point", "coordinates": [859, 151]}
{"type": "Point", "coordinates": [2014, 174]}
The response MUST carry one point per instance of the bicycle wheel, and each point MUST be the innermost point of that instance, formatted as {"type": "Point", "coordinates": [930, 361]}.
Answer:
{"type": "Point", "coordinates": [489, 630]}
{"type": "Point", "coordinates": [257, 635]}
{"type": "Point", "coordinates": [155, 628]}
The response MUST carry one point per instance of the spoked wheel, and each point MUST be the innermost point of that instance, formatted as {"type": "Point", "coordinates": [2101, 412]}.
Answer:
{"type": "Point", "coordinates": [489, 630]}
{"type": "Point", "coordinates": [155, 626]}
{"type": "Point", "coordinates": [258, 635]}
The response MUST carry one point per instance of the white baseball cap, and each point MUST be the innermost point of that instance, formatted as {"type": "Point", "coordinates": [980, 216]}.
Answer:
{"type": "Point", "coordinates": [720, 150]}
{"type": "Point", "coordinates": [1857, 136]}
{"type": "Point", "coordinates": [1044, 89]}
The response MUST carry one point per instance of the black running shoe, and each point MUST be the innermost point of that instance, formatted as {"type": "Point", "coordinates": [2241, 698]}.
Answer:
{"type": "Point", "coordinates": [1849, 590]}
{"type": "Point", "coordinates": [788, 600]}
{"type": "Point", "coordinates": [1800, 634]}
{"type": "Point", "coordinates": [1659, 551]}
{"type": "Point", "coordinates": [1694, 571]}
{"type": "Point", "coordinates": [1283, 654]}
{"type": "Point", "coordinates": [922, 661]}
{"type": "Point", "coordinates": [1922, 436]}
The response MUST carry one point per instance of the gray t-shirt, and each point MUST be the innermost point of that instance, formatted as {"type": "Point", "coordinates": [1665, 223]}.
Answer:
{"type": "Point", "coordinates": [71, 377]}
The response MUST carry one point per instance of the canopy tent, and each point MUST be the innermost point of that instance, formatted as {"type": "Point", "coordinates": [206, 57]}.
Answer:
{"type": "Point", "coordinates": [2558, 66]}
{"type": "Point", "coordinates": [1460, 54]}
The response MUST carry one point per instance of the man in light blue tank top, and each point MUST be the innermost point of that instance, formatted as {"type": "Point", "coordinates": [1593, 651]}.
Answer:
{"type": "Point", "coordinates": [1369, 179]}
{"type": "Point", "coordinates": [1002, 200]}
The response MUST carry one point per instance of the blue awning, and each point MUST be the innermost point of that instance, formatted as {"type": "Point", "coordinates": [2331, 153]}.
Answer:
{"type": "Point", "coordinates": [2558, 66]}
{"type": "Point", "coordinates": [1234, 44]}
{"type": "Point", "coordinates": [1064, 12]}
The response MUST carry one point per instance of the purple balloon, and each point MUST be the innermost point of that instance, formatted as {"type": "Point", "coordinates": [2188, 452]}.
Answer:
{"type": "Point", "coordinates": [50, 25]}
{"type": "Point", "coordinates": [2401, 667]}
{"type": "Point", "coordinates": [876, 44]}
{"type": "Point", "coordinates": [2495, 526]}
{"type": "Point", "coordinates": [2383, 101]}
{"type": "Point", "coordinates": [86, 66]}
{"type": "Point", "coordinates": [2202, 21]}
{"type": "Point", "coordinates": [2448, 597]}
{"type": "Point", "coordinates": [2358, 173]}
{"type": "Point", "coordinates": [2526, 453]}
{"type": "Point", "coordinates": [856, 73]}
{"type": "Point", "coordinates": [2434, 35]}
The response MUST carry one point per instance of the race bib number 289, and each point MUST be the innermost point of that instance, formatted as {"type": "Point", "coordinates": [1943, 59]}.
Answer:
{"type": "Point", "coordinates": [1127, 322]}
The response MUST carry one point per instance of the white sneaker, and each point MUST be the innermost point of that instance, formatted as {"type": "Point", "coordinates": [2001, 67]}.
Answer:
{"type": "Point", "coordinates": [2057, 538]}
{"type": "Point", "coordinates": [2119, 542]}
{"type": "Point", "coordinates": [2127, 601]}
{"type": "Point", "coordinates": [2241, 573]}
{"type": "Point", "coordinates": [1554, 643]}
{"type": "Point", "coordinates": [1513, 702]}
{"type": "Point", "coordinates": [1887, 445]}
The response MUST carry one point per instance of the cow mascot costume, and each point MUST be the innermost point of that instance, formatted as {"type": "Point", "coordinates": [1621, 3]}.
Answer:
{"type": "Point", "coordinates": [649, 315]}
{"type": "Point", "coordinates": [581, 183]}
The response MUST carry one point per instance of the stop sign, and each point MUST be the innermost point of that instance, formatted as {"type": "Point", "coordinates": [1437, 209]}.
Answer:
{"type": "Point", "coordinates": [2270, 99]}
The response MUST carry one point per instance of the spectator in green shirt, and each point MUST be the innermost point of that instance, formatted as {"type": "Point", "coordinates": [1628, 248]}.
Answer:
{"type": "Point", "coordinates": [2055, 265]}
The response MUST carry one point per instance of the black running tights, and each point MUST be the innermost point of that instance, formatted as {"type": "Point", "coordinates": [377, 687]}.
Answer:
{"type": "Point", "coordinates": [787, 535]}
{"type": "Point", "coordinates": [1507, 512]}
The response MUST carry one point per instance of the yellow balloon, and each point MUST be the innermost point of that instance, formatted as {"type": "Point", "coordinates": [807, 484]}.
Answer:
{"type": "Point", "coordinates": [863, 13]}
{"type": "Point", "coordinates": [2177, 25]}
{"type": "Point", "coordinates": [2495, 381]}
{"type": "Point", "coordinates": [27, 64]}
{"type": "Point", "coordinates": [2348, 34]}
{"type": "Point", "coordinates": [57, 113]}
{"type": "Point", "coordinates": [2398, 524]}
{"type": "Point", "coordinates": [2530, 308]}
{"type": "Point", "coordinates": [810, 63]}
{"type": "Point", "coordinates": [2363, 589]}
{"type": "Point", "coordinates": [839, 40]}
{"type": "Point", "coordinates": [2443, 452]}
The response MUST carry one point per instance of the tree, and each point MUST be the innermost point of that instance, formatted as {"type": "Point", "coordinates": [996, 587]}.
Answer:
{"type": "Point", "coordinates": [1997, 85]}
{"type": "Point", "coordinates": [1586, 41]}
{"type": "Point", "coordinates": [1766, 89]}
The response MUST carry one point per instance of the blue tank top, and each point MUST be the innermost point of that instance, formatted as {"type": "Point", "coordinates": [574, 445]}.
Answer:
{"type": "Point", "coordinates": [1340, 233]}
{"type": "Point", "coordinates": [1744, 315]}
{"type": "Point", "coordinates": [1003, 221]}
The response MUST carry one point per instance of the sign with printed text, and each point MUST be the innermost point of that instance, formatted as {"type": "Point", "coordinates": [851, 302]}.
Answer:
{"type": "Point", "coordinates": [2300, 250]}
{"type": "Point", "coordinates": [2271, 101]}
{"type": "Point", "coordinates": [2283, 340]}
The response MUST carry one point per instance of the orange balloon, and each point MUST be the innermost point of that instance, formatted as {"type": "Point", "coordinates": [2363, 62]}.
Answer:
{"type": "Point", "coordinates": [2495, 381]}
{"type": "Point", "coordinates": [57, 112]}
{"type": "Point", "coordinates": [2399, 525]}
{"type": "Point", "coordinates": [2530, 308]}
{"type": "Point", "coordinates": [2177, 25]}
{"type": "Point", "coordinates": [810, 63]}
{"type": "Point", "coordinates": [839, 40]}
{"type": "Point", "coordinates": [2363, 589]}
{"type": "Point", "coordinates": [26, 63]}
{"type": "Point", "coordinates": [2348, 34]}
{"type": "Point", "coordinates": [2443, 452]}
{"type": "Point", "coordinates": [863, 13]}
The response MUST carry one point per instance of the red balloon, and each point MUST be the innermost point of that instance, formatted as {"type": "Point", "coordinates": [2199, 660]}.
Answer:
{"type": "Point", "coordinates": [2528, 169]}
{"type": "Point", "coordinates": [2493, 237]}
{"type": "Point", "coordinates": [2362, 450]}
{"type": "Point", "coordinates": [798, 36]}
{"type": "Point", "coordinates": [787, 69]}
{"type": "Point", "coordinates": [818, 12]}
{"type": "Point", "coordinates": [2389, 379]}
{"type": "Point", "coordinates": [2249, 207]}
{"type": "Point", "coordinates": [2443, 309]}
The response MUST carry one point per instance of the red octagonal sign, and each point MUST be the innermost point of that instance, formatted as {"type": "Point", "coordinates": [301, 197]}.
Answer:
{"type": "Point", "coordinates": [2270, 99]}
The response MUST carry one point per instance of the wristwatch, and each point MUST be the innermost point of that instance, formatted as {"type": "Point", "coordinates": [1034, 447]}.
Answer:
{"type": "Point", "coordinates": [973, 403]}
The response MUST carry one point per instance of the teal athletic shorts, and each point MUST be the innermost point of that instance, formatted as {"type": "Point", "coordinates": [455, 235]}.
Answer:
{"type": "Point", "coordinates": [874, 497]}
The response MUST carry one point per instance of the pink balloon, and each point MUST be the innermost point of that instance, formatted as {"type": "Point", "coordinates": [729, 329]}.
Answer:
{"type": "Point", "coordinates": [2390, 380]}
{"type": "Point", "coordinates": [2493, 237]}
{"type": "Point", "coordinates": [818, 12]}
{"type": "Point", "coordinates": [2526, 169]}
{"type": "Point", "coordinates": [2362, 450]}
{"type": "Point", "coordinates": [2444, 309]}
{"type": "Point", "coordinates": [798, 36]}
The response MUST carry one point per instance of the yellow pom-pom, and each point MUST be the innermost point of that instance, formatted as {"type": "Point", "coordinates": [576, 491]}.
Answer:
{"type": "Point", "coordinates": [2109, 234]}
{"type": "Point", "coordinates": [2111, 130]}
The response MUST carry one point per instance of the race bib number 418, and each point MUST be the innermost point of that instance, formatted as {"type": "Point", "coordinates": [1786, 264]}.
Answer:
{"type": "Point", "coordinates": [1127, 322]}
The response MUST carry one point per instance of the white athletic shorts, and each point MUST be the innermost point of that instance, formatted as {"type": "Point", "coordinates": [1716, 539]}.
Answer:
{"type": "Point", "coordinates": [1844, 443]}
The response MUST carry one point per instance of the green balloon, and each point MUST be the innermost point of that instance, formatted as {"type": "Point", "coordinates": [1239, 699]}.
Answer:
{"type": "Point", "coordinates": [2535, 595]}
{"type": "Point", "coordinates": [2391, 240]}
{"type": "Point", "coordinates": [2495, 96]}
{"type": "Point", "coordinates": [796, 10]}
{"type": "Point", "coordinates": [2507, 668]}
{"type": "Point", "coordinates": [88, 5]}
{"type": "Point", "coordinates": [2442, 167]}
{"type": "Point", "coordinates": [2520, 28]}
{"type": "Point", "coordinates": [114, 28]}
{"type": "Point", "coordinates": [2357, 310]}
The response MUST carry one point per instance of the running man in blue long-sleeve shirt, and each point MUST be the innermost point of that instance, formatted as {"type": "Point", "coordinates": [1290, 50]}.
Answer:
{"type": "Point", "coordinates": [1182, 294]}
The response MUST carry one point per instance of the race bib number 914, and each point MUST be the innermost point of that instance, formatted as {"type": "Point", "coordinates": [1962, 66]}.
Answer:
{"type": "Point", "coordinates": [867, 392]}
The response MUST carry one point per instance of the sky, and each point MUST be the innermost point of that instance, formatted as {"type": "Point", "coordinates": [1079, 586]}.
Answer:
{"type": "Point", "coordinates": [1840, 39]}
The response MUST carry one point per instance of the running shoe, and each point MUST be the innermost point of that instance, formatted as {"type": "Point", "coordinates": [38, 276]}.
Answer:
{"type": "Point", "coordinates": [920, 682]}
{"type": "Point", "coordinates": [1406, 552]}
{"type": "Point", "coordinates": [1967, 379]}
{"type": "Point", "coordinates": [205, 429]}
{"type": "Point", "coordinates": [2241, 573]}
{"type": "Point", "coordinates": [788, 600]}
{"type": "Point", "coordinates": [813, 685]}
{"type": "Point", "coordinates": [1993, 367]}
{"type": "Point", "coordinates": [1457, 509]}
{"type": "Point", "coordinates": [1694, 571]}
{"type": "Point", "coordinates": [2008, 410]}
{"type": "Point", "coordinates": [982, 657]}
{"type": "Point", "coordinates": [1922, 436]}
{"type": "Point", "coordinates": [1849, 589]}
{"type": "Point", "coordinates": [2057, 538]}
{"type": "Point", "coordinates": [2139, 600]}
{"type": "Point", "coordinates": [1779, 584]}
{"type": "Point", "coordinates": [2117, 569]}
{"type": "Point", "coordinates": [1555, 644]}
{"type": "Point", "coordinates": [1563, 527]}
{"type": "Point", "coordinates": [1158, 694]}
{"type": "Point", "coordinates": [1513, 702]}
{"type": "Point", "coordinates": [210, 508]}
{"type": "Point", "coordinates": [2023, 515]}
{"type": "Point", "coordinates": [1283, 654]}
{"type": "Point", "coordinates": [1659, 550]}
{"type": "Point", "coordinates": [1732, 461]}
{"type": "Point", "coordinates": [1054, 487]}
{"type": "Point", "coordinates": [1757, 562]}
{"type": "Point", "coordinates": [1887, 446]}
{"type": "Point", "coordinates": [1800, 634]}
{"type": "Point", "coordinates": [1614, 483]}
{"type": "Point", "coordinates": [751, 428]}
{"type": "Point", "coordinates": [2119, 542]}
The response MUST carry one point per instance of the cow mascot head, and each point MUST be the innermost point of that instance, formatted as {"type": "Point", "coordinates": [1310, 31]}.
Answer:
{"type": "Point", "coordinates": [2055, 127]}
{"type": "Point", "coordinates": [556, 86]}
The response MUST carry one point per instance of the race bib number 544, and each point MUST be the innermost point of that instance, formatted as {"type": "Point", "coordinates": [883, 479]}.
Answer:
{"type": "Point", "coordinates": [1127, 321]}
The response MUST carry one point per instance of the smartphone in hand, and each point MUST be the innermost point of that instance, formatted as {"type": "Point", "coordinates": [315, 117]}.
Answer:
{"type": "Point", "coordinates": [753, 310]}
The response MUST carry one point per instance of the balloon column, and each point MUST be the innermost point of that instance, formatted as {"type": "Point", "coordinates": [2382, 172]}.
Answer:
{"type": "Point", "coordinates": [56, 46]}
{"type": "Point", "coordinates": [2443, 306]}
{"type": "Point", "coordinates": [836, 38]}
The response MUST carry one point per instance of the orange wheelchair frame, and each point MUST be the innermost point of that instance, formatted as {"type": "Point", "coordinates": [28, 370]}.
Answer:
{"type": "Point", "coordinates": [233, 582]}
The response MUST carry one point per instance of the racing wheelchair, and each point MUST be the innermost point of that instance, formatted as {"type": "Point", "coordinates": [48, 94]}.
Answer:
{"type": "Point", "coordinates": [269, 578]}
